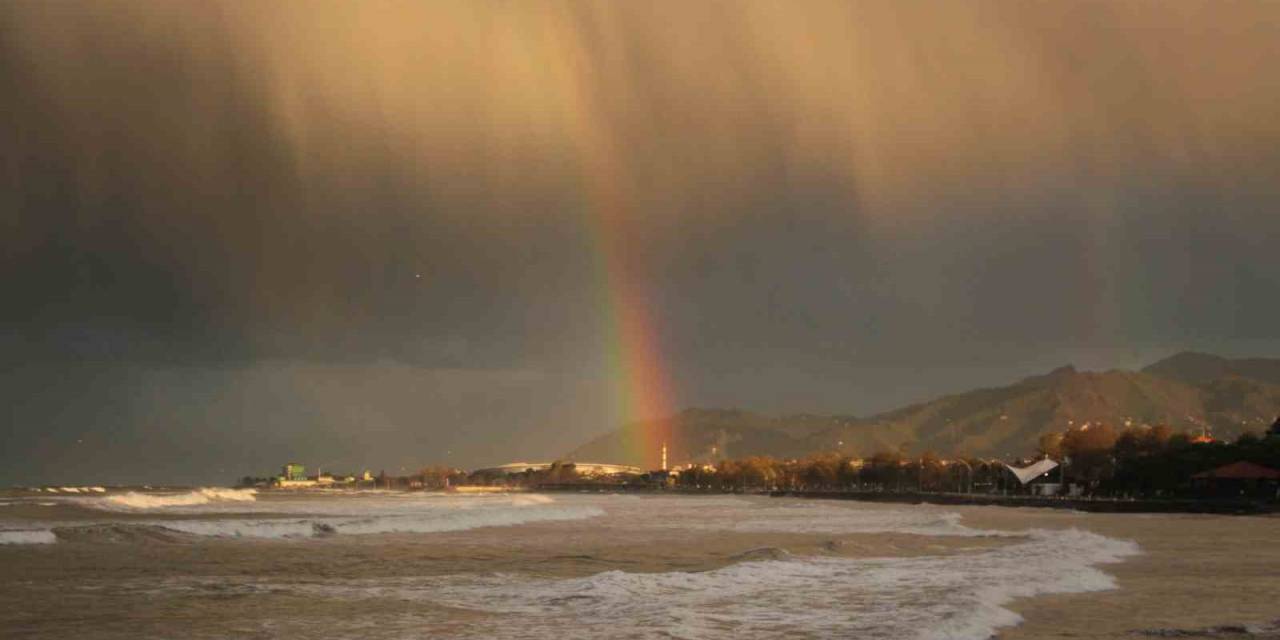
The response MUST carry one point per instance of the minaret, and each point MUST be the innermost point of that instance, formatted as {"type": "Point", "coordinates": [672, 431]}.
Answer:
{"type": "Point", "coordinates": [664, 456]}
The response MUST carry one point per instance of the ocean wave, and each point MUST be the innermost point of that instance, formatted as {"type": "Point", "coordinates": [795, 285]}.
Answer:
{"type": "Point", "coordinates": [27, 536]}
{"type": "Point", "coordinates": [91, 489]}
{"type": "Point", "coordinates": [135, 501]}
{"type": "Point", "coordinates": [434, 521]}
{"type": "Point", "coordinates": [829, 519]}
{"type": "Point", "coordinates": [961, 596]}
{"type": "Point", "coordinates": [115, 533]}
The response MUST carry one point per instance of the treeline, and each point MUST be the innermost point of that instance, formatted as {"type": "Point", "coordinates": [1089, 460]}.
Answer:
{"type": "Point", "coordinates": [1139, 461]}
{"type": "Point", "coordinates": [1151, 460]}
{"type": "Point", "coordinates": [885, 471]}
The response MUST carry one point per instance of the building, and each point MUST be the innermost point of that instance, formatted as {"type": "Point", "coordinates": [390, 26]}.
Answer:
{"type": "Point", "coordinates": [1239, 479]}
{"type": "Point", "coordinates": [294, 475]}
{"type": "Point", "coordinates": [294, 472]}
{"type": "Point", "coordinates": [583, 468]}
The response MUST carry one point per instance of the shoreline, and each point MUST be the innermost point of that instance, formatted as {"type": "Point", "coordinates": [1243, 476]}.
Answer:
{"type": "Point", "coordinates": [1217, 506]}
{"type": "Point", "coordinates": [1173, 588]}
{"type": "Point", "coordinates": [1090, 505]}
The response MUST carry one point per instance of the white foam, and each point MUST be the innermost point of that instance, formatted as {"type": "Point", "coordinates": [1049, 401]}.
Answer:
{"type": "Point", "coordinates": [94, 489]}
{"type": "Point", "coordinates": [962, 595]}
{"type": "Point", "coordinates": [931, 598]}
{"type": "Point", "coordinates": [387, 521]}
{"type": "Point", "coordinates": [135, 501]}
{"type": "Point", "coordinates": [27, 536]}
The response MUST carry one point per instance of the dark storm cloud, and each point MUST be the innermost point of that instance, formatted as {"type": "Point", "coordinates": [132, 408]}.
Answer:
{"type": "Point", "coordinates": [838, 207]}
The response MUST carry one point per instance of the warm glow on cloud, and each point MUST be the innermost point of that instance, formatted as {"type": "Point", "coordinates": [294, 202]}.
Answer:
{"type": "Point", "coordinates": [897, 100]}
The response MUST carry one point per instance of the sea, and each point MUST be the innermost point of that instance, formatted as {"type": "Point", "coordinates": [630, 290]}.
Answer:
{"type": "Point", "coordinates": [97, 562]}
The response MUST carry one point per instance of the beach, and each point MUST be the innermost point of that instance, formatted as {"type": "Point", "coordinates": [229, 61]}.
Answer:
{"type": "Point", "coordinates": [1198, 575]}
{"type": "Point", "coordinates": [387, 565]}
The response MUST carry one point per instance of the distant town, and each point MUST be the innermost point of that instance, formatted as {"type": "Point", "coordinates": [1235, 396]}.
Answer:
{"type": "Point", "coordinates": [1090, 461]}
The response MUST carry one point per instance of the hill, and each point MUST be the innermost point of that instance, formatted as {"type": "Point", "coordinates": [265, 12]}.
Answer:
{"type": "Point", "coordinates": [1186, 391]}
{"type": "Point", "coordinates": [1201, 368]}
{"type": "Point", "coordinates": [705, 434]}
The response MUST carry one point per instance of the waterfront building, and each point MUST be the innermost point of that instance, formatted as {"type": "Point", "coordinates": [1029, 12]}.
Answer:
{"type": "Point", "coordinates": [583, 468]}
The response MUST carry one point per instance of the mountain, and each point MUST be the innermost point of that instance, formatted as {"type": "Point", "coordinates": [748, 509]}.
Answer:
{"type": "Point", "coordinates": [705, 434]}
{"type": "Point", "coordinates": [1200, 368]}
{"type": "Point", "coordinates": [1187, 391]}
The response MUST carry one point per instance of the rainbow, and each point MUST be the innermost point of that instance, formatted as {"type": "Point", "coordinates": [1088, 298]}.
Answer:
{"type": "Point", "coordinates": [634, 355]}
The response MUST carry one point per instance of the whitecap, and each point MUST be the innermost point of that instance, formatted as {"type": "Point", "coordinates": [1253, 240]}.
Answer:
{"type": "Point", "coordinates": [136, 501]}
{"type": "Point", "coordinates": [963, 596]}
{"type": "Point", "coordinates": [432, 521]}
{"type": "Point", "coordinates": [27, 536]}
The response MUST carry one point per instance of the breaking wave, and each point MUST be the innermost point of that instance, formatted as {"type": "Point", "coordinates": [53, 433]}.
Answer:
{"type": "Point", "coordinates": [134, 501]}
{"type": "Point", "coordinates": [432, 521]}
{"type": "Point", "coordinates": [927, 597]}
{"type": "Point", "coordinates": [27, 536]}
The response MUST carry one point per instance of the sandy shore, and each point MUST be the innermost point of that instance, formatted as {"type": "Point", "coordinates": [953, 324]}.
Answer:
{"type": "Point", "coordinates": [1197, 574]}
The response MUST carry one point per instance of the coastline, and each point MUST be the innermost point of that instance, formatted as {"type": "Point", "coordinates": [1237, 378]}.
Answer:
{"type": "Point", "coordinates": [1207, 570]}
{"type": "Point", "coordinates": [1215, 506]}
{"type": "Point", "coordinates": [1241, 506]}
{"type": "Point", "coordinates": [1198, 576]}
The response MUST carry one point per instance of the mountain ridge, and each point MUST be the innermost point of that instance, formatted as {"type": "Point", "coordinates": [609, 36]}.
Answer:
{"type": "Point", "coordinates": [1188, 390]}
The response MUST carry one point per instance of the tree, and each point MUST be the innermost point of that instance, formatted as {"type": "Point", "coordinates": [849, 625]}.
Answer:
{"type": "Point", "coordinates": [437, 477]}
{"type": "Point", "coordinates": [885, 470]}
{"type": "Point", "coordinates": [1050, 444]}
{"type": "Point", "coordinates": [930, 471]}
{"type": "Point", "coordinates": [1090, 450]}
{"type": "Point", "coordinates": [821, 471]}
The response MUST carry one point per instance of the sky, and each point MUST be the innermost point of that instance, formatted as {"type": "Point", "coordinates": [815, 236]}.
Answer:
{"type": "Point", "coordinates": [387, 234]}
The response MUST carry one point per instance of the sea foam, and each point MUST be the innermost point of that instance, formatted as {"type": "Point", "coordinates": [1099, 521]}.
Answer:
{"type": "Point", "coordinates": [962, 596]}
{"type": "Point", "coordinates": [771, 593]}
{"type": "Point", "coordinates": [135, 501]}
{"type": "Point", "coordinates": [404, 520]}
{"type": "Point", "coordinates": [27, 536]}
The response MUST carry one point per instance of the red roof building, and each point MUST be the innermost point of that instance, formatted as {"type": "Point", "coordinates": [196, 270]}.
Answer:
{"type": "Point", "coordinates": [1240, 471]}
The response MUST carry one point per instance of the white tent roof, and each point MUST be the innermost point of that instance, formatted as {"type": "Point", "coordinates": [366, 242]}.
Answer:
{"type": "Point", "coordinates": [1032, 471]}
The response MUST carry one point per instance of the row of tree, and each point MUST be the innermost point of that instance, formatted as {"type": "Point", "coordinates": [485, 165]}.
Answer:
{"type": "Point", "coordinates": [1151, 460]}
{"type": "Point", "coordinates": [1097, 458]}
{"type": "Point", "coordinates": [885, 471]}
